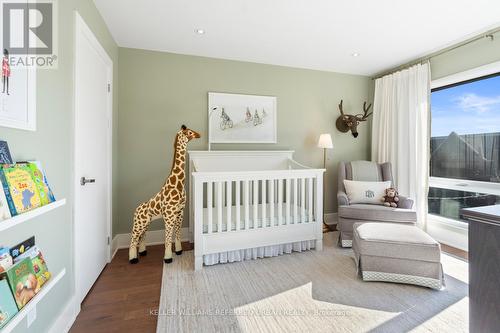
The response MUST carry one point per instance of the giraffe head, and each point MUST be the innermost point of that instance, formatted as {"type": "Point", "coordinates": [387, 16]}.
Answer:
{"type": "Point", "coordinates": [185, 134]}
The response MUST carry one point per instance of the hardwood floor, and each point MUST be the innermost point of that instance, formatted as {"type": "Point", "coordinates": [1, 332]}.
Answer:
{"type": "Point", "coordinates": [455, 252]}
{"type": "Point", "coordinates": [124, 294]}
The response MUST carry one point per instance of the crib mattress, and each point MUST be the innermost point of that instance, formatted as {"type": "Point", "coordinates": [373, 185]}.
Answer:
{"type": "Point", "coordinates": [254, 221]}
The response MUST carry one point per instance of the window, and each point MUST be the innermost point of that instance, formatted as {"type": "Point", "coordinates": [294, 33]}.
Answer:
{"type": "Point", "coordinates": [465, 146]}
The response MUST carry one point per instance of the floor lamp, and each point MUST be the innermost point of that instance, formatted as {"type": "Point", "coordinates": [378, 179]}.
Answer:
{"type": "Point", "coordinates": [325, 142]}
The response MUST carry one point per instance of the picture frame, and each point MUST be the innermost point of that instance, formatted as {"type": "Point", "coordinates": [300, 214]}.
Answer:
{"type": "Point", "coordinates": [239, 118]}
{"type": "Point", "coordinates": [18, 84]}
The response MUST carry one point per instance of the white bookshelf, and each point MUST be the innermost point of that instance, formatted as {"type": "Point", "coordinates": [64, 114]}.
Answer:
{"type": "Point", "coordinates": [18, 219]}
{"type": "Point", "coordinates": [12, 324]}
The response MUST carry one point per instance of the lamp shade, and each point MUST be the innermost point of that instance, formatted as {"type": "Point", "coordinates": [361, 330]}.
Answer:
{"type": "Point", "coordinates": [325, 141]}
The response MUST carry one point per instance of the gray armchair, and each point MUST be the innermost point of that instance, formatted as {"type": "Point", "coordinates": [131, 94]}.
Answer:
{"type": "Point", "coordinates": [358, 213]}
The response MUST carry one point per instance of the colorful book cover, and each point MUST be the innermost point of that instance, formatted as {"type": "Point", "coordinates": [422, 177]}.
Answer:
{"type": "Point", "coordinates": [44, 183]}
{"type": "Point", "coordinates": [21, 248]}
{"type": "Point", "coordinates": [22, 282]}
{"type": "Point", "coordinates": [23, 190]}
{"type": "Point", "coordinates": [8, 308]}
{"type": "Point", "coordinates": [37, 177]}
{"type": "Point", "coordinates": [39, 265]}
{"type": "Point", "coordinates": [4, 204]}
{"type": "Point", "coordinates": [6, 191]}
{"type": "Point", "coordinates": [5, 153]}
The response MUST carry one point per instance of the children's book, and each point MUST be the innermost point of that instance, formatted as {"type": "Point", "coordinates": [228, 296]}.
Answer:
{"type": "Point", "coordinates": [38, 178]}
{"type": "Point", "coordinates": [4, 204]}
{"type": "Point", "coordinates": [5, 153]}
{"type": "Point", "coordinates": [41, 181]}
{"type": "Point", "coordinates": [6, 191]}
{"type": "Point", "coordinates": [18, 250]}
{"type": "Point", "coordinates": [8, 307]}
{"type": "Point", "coordinates": [22, 187]}
{"type": "Point", "coordinates": [22, 281]}
{"type": "Point", "coordinates": [39, 265]}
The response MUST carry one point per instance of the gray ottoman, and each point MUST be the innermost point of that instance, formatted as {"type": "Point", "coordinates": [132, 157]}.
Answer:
{"type": "Point", "coordinates": [397, 253]}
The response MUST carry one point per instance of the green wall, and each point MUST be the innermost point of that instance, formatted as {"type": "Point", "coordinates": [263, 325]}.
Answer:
{"type": "Point", "coordinates": [52, 144]}
{"type": "Point", "coordinates": [159, 92]}
{"type": "Point", "coordinates": [478, 53]}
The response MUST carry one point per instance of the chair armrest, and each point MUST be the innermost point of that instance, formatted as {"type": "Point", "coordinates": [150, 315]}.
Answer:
{"type": "Point", "coordinates": [342, 198]}
{"type": "Point", "coordinates": [405, 203]}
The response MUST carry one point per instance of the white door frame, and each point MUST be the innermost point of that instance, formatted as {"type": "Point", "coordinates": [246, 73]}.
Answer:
{"type": "Point", "coordinates": [83, 31]}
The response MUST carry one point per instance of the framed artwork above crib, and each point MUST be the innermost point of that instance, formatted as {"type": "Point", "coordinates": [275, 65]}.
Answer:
{"type": "Point", "coordinates": [235, 118]}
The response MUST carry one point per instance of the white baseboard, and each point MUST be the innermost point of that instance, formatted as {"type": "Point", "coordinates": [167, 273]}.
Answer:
{"type": "Point", "coordinates": [67, 317]}
{"type": "Point", "coordinates": [331, 218]}
{"type": "Point", "coordinates": [155, 237]}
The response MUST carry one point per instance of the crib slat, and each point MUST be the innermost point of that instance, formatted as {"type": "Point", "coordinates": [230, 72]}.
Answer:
{"type": "Point", "coordinates": [219, 206]}
{"type": "Point", "coordinates": [229, 204]}
{"type": "Point", "coordinates": [209, 206]}
{"type": "Point", "coordinates": [310, 199]}
{"type": "Point", "coordinates": [280, 201]}
{"type": "Point", "coordinates": [255, 223]}
{"type": "Point", "coordinates": [263, 201]}
{"type": "Point", "coordinates": [246, 200]}
{"type": "Point", "coordinates": [302, 200]}
{"type": "Point", "coordinates": [287, 201]}
{"type": "Point", "coordinates": [271, 202]}
{"type": "Point", "coordinates": [237, 206]}
{"type": "Point", "coordinates": [295, 200]}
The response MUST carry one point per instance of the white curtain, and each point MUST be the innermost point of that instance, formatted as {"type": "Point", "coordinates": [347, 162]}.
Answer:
{"type": "Point", "coordinates": [401, 131]}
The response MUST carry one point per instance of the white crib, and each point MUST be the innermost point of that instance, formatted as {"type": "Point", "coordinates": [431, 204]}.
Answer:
{"type": "Point", "coordinates": [254, 201]}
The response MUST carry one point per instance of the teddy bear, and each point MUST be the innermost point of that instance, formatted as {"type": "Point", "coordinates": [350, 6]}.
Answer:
{"type": "Point", "coordinates": [391, 198]}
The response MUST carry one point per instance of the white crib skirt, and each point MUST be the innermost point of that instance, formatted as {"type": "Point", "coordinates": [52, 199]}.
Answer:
{"type": "Point", "coordinates": [257, 252]}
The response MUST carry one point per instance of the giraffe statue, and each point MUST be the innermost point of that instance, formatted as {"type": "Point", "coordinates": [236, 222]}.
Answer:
{"type": "Point", "coordinates": [168, 203]}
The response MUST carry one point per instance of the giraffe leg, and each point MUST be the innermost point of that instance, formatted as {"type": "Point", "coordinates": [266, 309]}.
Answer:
{"type": "Point", "coordinates": [142, 245]}
{"type": "Point", "coordinates": [141, 222]}
{"type": "Point", "coordinates": [169, 229]}
{"type": "Point", "coordinates": [178, 233]}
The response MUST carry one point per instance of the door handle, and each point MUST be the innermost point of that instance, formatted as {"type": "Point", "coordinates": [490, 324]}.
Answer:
{"type": "Point", "coordinates": [84, 181]}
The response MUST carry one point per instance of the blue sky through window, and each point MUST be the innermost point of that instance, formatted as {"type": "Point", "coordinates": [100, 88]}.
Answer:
{"type": "Point", "coordinates": [469, 108]}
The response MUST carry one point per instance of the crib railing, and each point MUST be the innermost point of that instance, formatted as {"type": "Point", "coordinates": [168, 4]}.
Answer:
{"type": "Point", "coordinates": [233, 205]}
{"type": "Point", "coordinates": [226, 203]}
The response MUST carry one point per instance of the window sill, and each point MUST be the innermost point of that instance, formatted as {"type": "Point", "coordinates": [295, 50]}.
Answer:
{"type": "Point", "coordinates": [448, 231]}
{"type": "Point", "coordinates": [448, 222]}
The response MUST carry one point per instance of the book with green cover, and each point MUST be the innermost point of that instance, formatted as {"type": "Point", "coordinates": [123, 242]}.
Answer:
{"type": "Point", "coordinates": [39, 265]}
{"type": "Point", "coordinates": [8, 308]}
{"type": "Point", "coordinates": [41, 180]}
{"type": "Point", "coordinates": [37, 177]}
{"type": "Point", "coordinates": [22, 281]}
{"type": "Point", "coordinates": [23, 190]}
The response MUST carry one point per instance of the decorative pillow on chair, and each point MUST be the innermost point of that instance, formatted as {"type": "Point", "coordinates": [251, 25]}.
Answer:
{"type": "Point", "coordinates": [366, 192]}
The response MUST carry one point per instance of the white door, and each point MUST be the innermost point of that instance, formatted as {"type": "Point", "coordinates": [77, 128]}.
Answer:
{"type": "Point", "coordinates": [92, 211]}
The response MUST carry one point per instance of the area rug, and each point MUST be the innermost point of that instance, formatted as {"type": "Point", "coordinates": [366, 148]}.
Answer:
{"type": "Point", "coordinates": [312, 291]}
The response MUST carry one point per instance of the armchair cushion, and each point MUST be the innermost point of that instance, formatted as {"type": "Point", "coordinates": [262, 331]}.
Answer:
{"type": "Point", "coordinates": [377, 213]}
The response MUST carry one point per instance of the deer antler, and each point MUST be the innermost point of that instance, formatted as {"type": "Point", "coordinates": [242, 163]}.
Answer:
{"type": "Point", "coordinates": [365, 115]}
{"type": "Point", "coordinates": [340, 107]}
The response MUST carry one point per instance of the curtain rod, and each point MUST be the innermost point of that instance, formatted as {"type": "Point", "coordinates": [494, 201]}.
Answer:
{"type": "Point", "coordinates": [488, 34]}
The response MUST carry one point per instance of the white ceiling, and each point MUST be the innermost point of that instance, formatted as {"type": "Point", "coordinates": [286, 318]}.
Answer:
{"type": "Point", "coordinates": [315, 34]}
